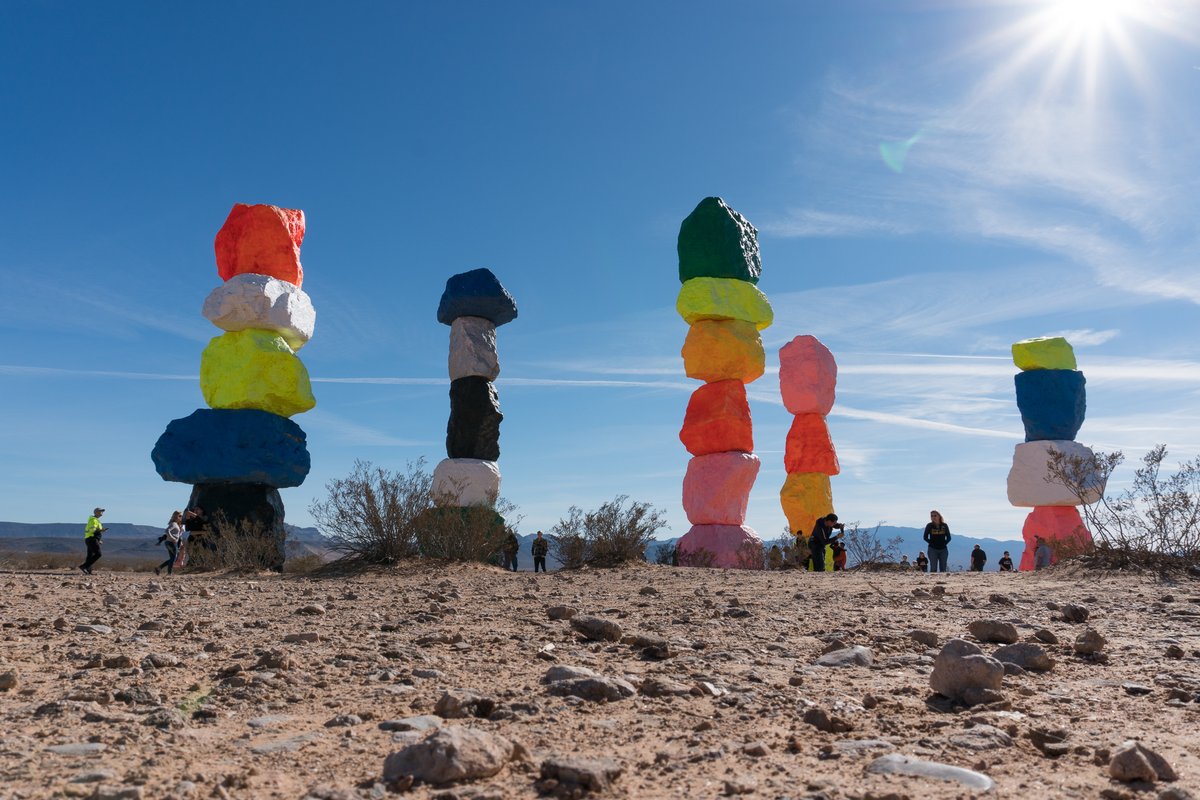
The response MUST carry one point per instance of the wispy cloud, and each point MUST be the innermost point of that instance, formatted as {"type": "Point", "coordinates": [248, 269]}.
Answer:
{"type": "Point", "coordinates": [810, 222]}
{"type": "Point", "coordinates": [60, 372]}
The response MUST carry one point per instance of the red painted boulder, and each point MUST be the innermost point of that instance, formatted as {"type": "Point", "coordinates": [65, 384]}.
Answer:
{"type": "Point", "coordinates": [725, 546]}
{"type": "Point", "coordinates": [807, 376]}
{"type": "Point", "coordinates": [718, 419]}
{"type": "Point", "coordinates": [809, 448]}
{"type": "Point", "coordinates": [261, 239]}
{"type": "Point", "coordinates": [1060, 526]}
{"type": "Point", "coordinates": [717, 487]}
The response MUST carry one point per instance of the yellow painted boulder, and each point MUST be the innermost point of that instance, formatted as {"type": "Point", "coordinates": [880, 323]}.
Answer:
{"type": "Point", "coordinates": [723, 298]}
{"type": "Point", "coordinates": [254, 369]}
{"type": "Point", "coordinates": [723, 349]}
{"type": "Point", "coordinates": [805, 496]}
{"type": "Point", "coordinates": [1046, 352]}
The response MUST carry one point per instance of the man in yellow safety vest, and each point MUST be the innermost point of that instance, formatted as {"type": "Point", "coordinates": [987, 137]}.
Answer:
{"type": "Point", "coordinates": [91, 537]}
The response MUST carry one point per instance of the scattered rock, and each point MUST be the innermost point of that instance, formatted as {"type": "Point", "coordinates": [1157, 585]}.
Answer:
{"type": "Point", "coordinates": [302, 638]}
{"type": "Point", "coordinates": [1174, 651]}
{"type": "Point", "coordinates": [663, 687]}
{"type": "Point", "coordinates": [1000, 600]}
{"type": "Point", "coordinates": [424, 722]}
{"type": "Point", "coordinates": [597, 689]}
{"type": "Point", "coordinates": [103, 629]}
{"type": "Point", "coordinates": [311, 610]}
{"type": "Point", "coordinates": [927, 638]}
{"type": "Point", "coordinates": [78, 749]}
{"type": "Point", "coordinates": [740, 785]}
{"type": "Point", "coordinates": [1136, 688]}
{"type": "Point", "coordinates": [597, 629]}
{"type": "Point", "coordinates": [288, 745]}
{"type": "Point", "coordinates": [461, 705]}
{"type": "Point", "coordinates": [1133, 761]}
{"type": "Point", "coordinates": [895, 764]}
{"type": "Point", "coordinates": [450, 755]}
{"type": "Point", "coordinates": [590, 774]}
{"type": "Point", "coordinates": [8, 680]}
{"type": "Point", "coordinates": [1025, 655]}
{"type": "Point", "coordinates": [993, 630]}
{"type": "Point", "coordinates": [1045, 635]}
{"type": "Point", "coordinates": [1089, 642]}
{"type": "Point", "coordinates": [561, 612]}
{"type": "Point", "coordinates": [822, 720]}
{"type": "Point", "coordinates": [1073, 613]}
{"type": "Point", "coordinates": [962, 672]}
{"type": "Point", "coordinates": [857, 656]}
{"type": "Point", "coordinates": [344, 721]}
{"type": "Point", "coordinates": [982, 737]}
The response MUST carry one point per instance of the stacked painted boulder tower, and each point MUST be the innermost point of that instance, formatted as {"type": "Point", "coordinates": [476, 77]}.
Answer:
{"type": "Point", "coordinates": [719, 265]}
{"type": "Point", "coordinates": [1052, 401]}
{"type": "Point", "coordinates": [807, 381]}
{"type": "Point", "coordinates": [473, 305]}
{"type": "Point", "coordinates": [241, 450]}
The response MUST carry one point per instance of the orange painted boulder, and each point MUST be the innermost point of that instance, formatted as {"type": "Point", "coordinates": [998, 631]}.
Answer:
{"type": "Point", "coordinates": [261, 239]}
{"type": "Point", "coordinates": [724, 546]}
{"type": "Point", "coordinates": [1060, 526]}
{"type": "Point", "coordinates": [717, 420]}
{"type": "Point", "coordinates": [723, 349]}
{"type": "Point", "coordinates": [807, 376]}
{"type": "Point", "coordinates": [717, 488]}
{"type": "Point", "coordinates": [805, 496]}
{"type": "Point", "coordinates": [809, 448]}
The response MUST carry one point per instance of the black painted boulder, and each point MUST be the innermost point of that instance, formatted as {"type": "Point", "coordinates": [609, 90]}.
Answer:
{"type": "Point", "coordinates": [1052, 403]}
{"type": "Point", "coordinates": [717, 242]}
{"type": "Point", "coordinates": [477, 293]}
{"type": "Point", "coordinates": [474, 427]}
{"type": "Point", "coordinates": [226, 445]}
{"type": "Point", "coordinates": [244, 515]}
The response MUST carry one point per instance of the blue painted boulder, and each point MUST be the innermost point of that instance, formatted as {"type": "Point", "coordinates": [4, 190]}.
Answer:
{"type": "Point", "coordinates": [221, 445]}
{"type": "Point", "coordinates": [476, 294]}
{"type": "Point", "coordinates": [1052, 403]}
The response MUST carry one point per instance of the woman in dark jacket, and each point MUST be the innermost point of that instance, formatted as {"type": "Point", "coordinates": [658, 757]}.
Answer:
{"type": "Point", "coordinates": [937, 536]}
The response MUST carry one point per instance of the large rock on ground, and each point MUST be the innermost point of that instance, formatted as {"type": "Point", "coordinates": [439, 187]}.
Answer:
{"type": "Point", "coordinates": [717, 488]}
{"type": "Point", "coordinates": [260, 301]}
{"type": "Point", "coordinates": [723, 349]}
{"type": "Point", "coordinates": [450, 755]}
{"type": "Point", "coordinates": [254, 369]}
{"type": "Point", "coordinates": [718, 420]}
{"type": "Point", "coordinates": [717, 242]}
{"type": "Point", "coordinates": [1061, 526]}
{"type": "Point", "coordinates": [473, 349]}
{"type": "Point", "coordinates": [233, 446]}
{"type": "Point", "coordinates": [246, 515]}
{"type": "Point", "coordinates": [808, 447]}
{"type": "Point", "coordinates": [261, 239]}
{"type": "Point", "coordinates": [723, 298]}
{"type": "Point", "coordinates": [1052, 403]}
{"type": "Point", "coordinates": [474, 427]}
{"type": "Point", "coordinates": [1027, 480]}
{"type": "Point", "coordinates": [805, 497]}
{"type": "Point", "coordinates": [730, 546]}
{"type": "Point", "coordinates": [1046, 352]}
{"type": "Point", "coordinates": [465, 482]}
{"type": "Point", "coordinates": [807, 376]}
{"type": "Point", "coordinates": [477, 293]}
{"type": "Point", "coordinates": [962, 672]}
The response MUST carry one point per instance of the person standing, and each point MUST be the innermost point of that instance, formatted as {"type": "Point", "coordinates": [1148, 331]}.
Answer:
{"type": "Point", "coordinates": [1042, 556]}
{"type": "Point", "coordinates": [937, 537]}
{"type": "Point", "coordinates": [511, 548]}
{"type": "Point", "coordinates": [978, 559]}
{"type": "Point", "coordinates": [172, 538]}
{"type": "Point", "coordinates": [1005, 562]}
{"type": "Point", "coordinates": [819, 538]}
{"type": "Point", "coordinates": [539, 548]}
{"type": "Point", "coordinates": [91, 538]}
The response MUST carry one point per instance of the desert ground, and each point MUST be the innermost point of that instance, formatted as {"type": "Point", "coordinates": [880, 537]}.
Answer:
{"type": "Point", "coordinates": [123, 685]}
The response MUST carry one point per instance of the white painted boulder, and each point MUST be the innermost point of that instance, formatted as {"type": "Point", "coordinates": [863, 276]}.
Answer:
{"type": "Point", "coordinates": [261, 302]}
{"type": "Point", "coordinates": [462, 482]}
{"type": "Point", "coordinates": [717, 488]}
{"type": "Point", "coordinates": [1028, 484]}
{"type": "Point", "coordinates": [473, 348]}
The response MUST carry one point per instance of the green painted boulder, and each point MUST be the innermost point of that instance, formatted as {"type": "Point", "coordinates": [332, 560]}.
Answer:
{"type": "Point", "coordinates": [1046, 352]}
{"type": "Point", "coordinates": [723, 298]}
{"type": "Point", "coordinates": [254, 369]}
{"type": "Point", "coordinates": [717, 242]}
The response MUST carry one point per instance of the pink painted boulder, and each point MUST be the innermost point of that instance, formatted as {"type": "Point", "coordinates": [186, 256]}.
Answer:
{"type": "Point", "coordinates": [1060, 526]}
{"type": "Point", "coordinates": [717, 487]}
{"type": "Point", "coordinates": [724, 546]}
{"type": "Point", "coordinates": [807, 376]}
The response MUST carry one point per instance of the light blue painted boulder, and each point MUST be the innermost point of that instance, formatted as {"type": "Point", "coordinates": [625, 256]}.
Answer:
{"type": "Point", "coordinates": [476, 294]}
{"type": "Point", "coordinates": [1052, 403]}
{"type": "Point", "coordinates": [218, 445]}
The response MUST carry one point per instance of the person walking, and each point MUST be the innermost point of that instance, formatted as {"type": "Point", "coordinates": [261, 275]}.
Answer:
{"type": "Point", "coordinates": [922, 561]}
{"type": "Point", "coordinates": [172, 538]}
{"type": "Point", "coordinates": [937, 537]}
{"type": "Point", "coordinates": [1042, 557]}
{"type": "Point", "coordinates": [539, 548]}
{"type": "Point", "coordinates": [819, 538]}
{"type": "Point", "coordinates": [978, 559]}
{"type": "Point", "coordinates": [1005, 562]}
{"type": "Point", "coordinates": [91, 539]}
{"type": "Point", "coordinates": [511, 548]}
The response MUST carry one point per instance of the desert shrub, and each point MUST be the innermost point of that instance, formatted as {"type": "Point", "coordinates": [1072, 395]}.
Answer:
{"type": "Point", "coordinates": [750, 555]}
{"type": "Point", "coordinates": [698, 558]}
{"type": "Point", "coordinates": [611, 535]}
{"type": "Point", "coordinates": [1154, 523]}
{"type": "Point", "coordinates": [667, 555]}
{"type": "Point", "coordinates": [242, 546]}
{"type": "Point", "coordinates": [864, 548]}
{"type": "Point", "coordinates": [303, 565]}
{"type": "Point", "coordinates": [370, 514]}
{"type": "Point", "coordinates": [463, 534]}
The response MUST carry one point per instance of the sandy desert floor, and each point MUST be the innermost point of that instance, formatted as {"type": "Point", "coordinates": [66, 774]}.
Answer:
{"type": "Point", "coordinates": [130, 686]}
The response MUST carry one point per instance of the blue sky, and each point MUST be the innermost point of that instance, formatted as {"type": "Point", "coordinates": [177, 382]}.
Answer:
{"type": "Point", "coordinates": [1040, 178]}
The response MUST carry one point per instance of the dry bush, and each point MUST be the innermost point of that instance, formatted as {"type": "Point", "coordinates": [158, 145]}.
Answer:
{"type": "Point", "coordinates": [474, 533]}
{"type": "Point", "coordinates": [371, 513]}
{"type": "Point", "coordinates": [241, 546]}
{"type": "Point", "coordinates": [701, 557]}
{"type": "Point", "coordinates": [606, 537]}
{"type": "Point", "coordinates": [750, 555]}
{"type": "Point", "coordinates": [667, 555]}
{"type": "Point", "coordinates": [868, 551]}
{"type": "Point", "coordinates": [1153, 524]}
{"type": "Point", "coordinates": [303, 565]}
